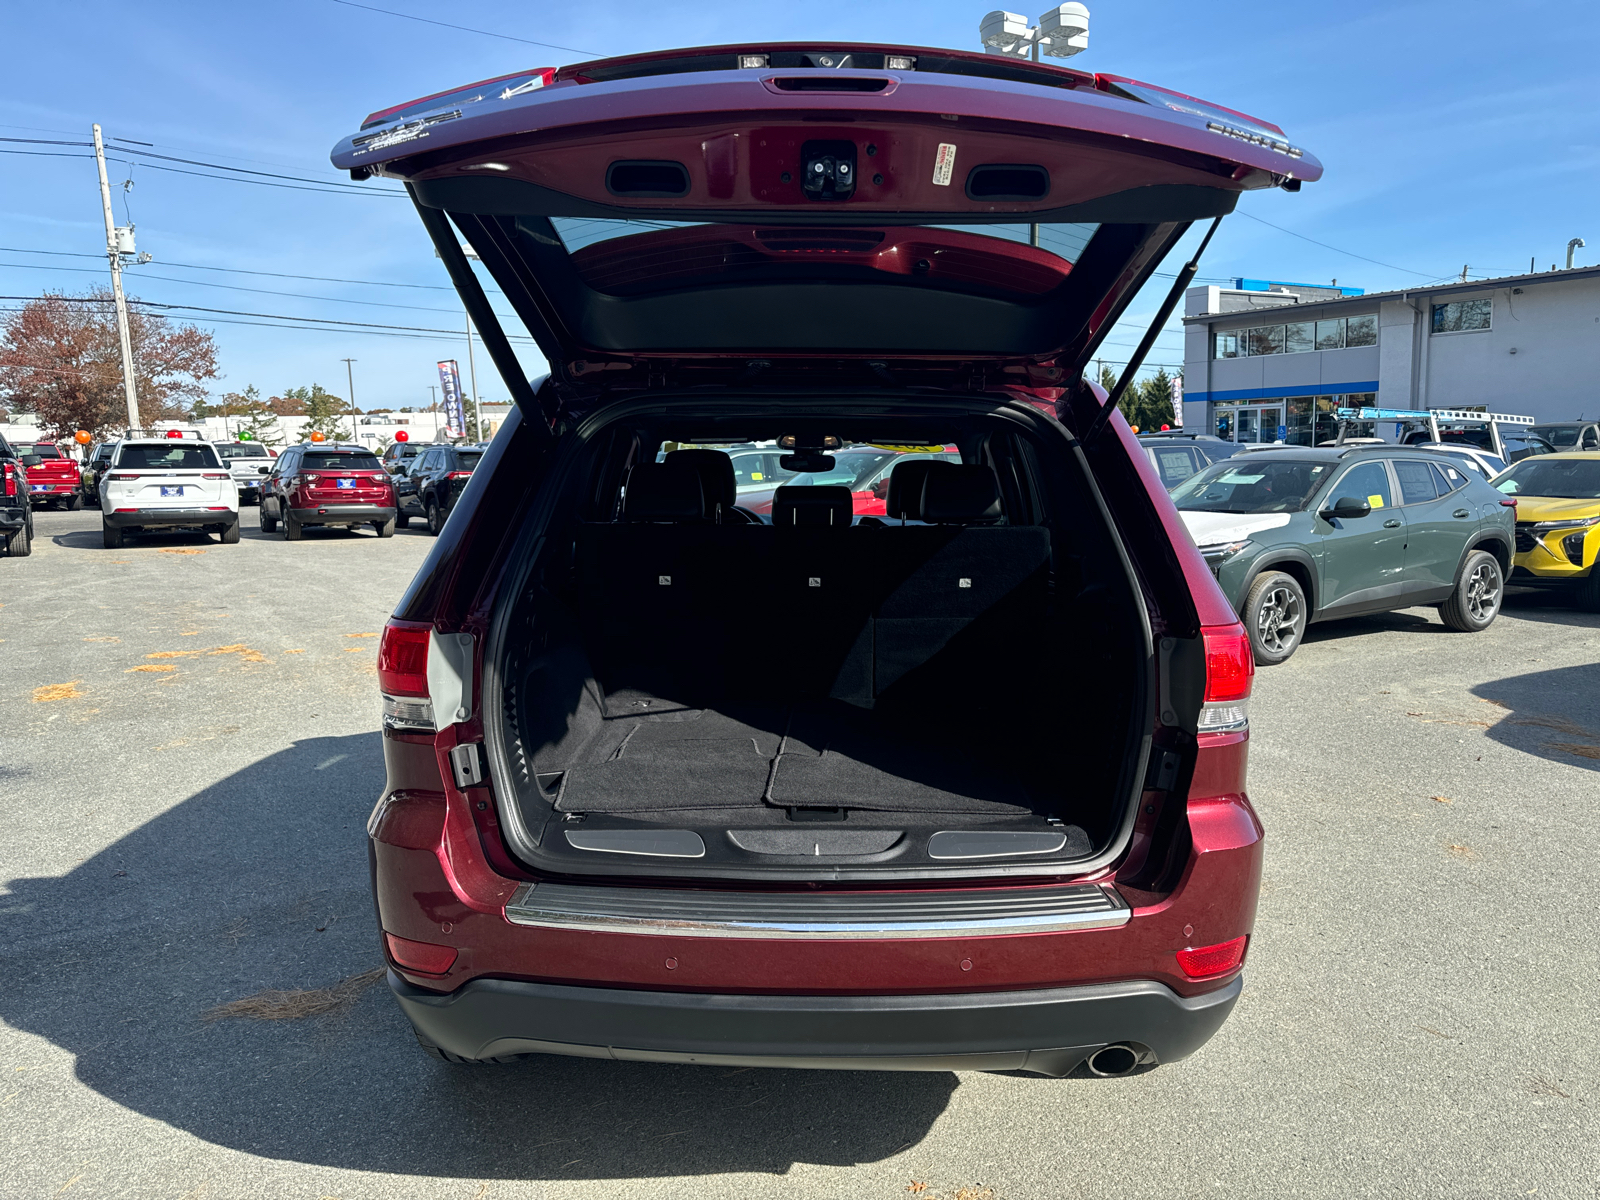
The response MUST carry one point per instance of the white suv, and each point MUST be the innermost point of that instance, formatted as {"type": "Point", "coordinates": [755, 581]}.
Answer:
{"type": "Point", "coordinates": [167, 483]}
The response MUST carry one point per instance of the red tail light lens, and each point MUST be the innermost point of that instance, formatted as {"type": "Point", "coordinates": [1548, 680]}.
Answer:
{"type": "Point", "coordinates": [424, 958]}
{"type": "Point", "coordinates": [11, 481]}
{"type": "Point", "coordinates": [1511, 503]}
{"type": "Point", "coordinates": [123, 475]}
{"type": "Point", "coordinates": [1230, 664]}
{"type": "Point", "coordinates": [459, 475]}
{"type": "Point", "coordinates": [1204, 962]}
{"type": "Point", "coordinates": [214, 475]}
{"type": "Point", "coordinates": [403, 658]}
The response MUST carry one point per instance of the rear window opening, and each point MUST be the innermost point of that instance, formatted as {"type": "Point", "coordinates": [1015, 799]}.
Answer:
{"type": "Point", "coordinates": [171, 456]}
{"type": "Point", "coordinates": [339, 460]}
{"type": "Point", "coordinates": [930, 629]}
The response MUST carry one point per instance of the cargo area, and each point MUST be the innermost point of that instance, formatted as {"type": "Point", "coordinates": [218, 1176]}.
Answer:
{"type": "Point", "coordinates": [808, 682]}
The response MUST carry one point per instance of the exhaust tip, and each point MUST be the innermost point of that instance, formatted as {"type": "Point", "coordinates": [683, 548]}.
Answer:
{"type": "Point", "coordinates": [1112, 1061]}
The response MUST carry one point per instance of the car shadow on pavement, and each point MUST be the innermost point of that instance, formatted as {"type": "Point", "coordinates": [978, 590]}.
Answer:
{"type": "Point", "coordinates": [1401, 620]}
{"type": "Point", "coordinates": [261, 881]}
{"type": "Point", "coordinates": [1553, 714]}
{"type": "Point", "coordinates": [1553, 606]}
{"type": "Point", "coordinates": [90, 539]}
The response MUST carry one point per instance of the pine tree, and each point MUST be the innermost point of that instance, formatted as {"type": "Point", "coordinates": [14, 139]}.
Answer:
{"type": "Point", "coordinates": [328, 413]}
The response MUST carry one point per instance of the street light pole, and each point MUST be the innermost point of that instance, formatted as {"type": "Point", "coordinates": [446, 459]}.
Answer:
{"type": "Point", "coordinates": [350, 375]}
{"type": "Point", "coordinates": [129, 390]}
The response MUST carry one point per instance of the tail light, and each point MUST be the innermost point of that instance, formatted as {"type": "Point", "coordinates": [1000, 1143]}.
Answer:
{"type": "Point", "coordinates": [1511, 503]}
{"type": "Point", "coordinates": [425, 958]}
{"type": "Point", "coordinates": [403, 677]}
{"type": "Point", "coordinates": [1230, 671]}
{"type": "Point", "coordinates": [215, 475]}
{"type": "Point", "coordinates": [123, 475]}
{"type": "Point", "coordinates": [459, 475]}
{"type": "Point", "coordinates": [1206, 962]}
{"type": "Point", "coordinates": [11, 480]}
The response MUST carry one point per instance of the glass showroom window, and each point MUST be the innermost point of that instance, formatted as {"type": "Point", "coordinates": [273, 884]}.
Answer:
{"type": "Point", "coordinates": [1226, 345]}
{"type": "Point", "coordinates": [1462, 316]}
{"type": "Point", "coordinates": [1299, 337]}
{"type": "Point", "coordinates": [1330, 335]}
{"type": "Point", "coordinates": [1361, 331]}
{"type": "Point", "coordinates": [1265, 339]}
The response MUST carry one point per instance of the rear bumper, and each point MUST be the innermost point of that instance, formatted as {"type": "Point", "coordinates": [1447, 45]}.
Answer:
{"type": "Point", "coordinates": [339, 514]}
{"type": "Point", "coordinates": [1048, 1032]}
{"type": "Point", "coordinates": [13, 518]}
{"type": "Point", "coordinates": [52, 491]}
{"type": "Point", "coordinates": [150, 517]}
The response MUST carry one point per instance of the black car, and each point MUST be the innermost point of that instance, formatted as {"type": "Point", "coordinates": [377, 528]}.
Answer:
{"type": "Point", "coordinates": [16, 513]}
{"type": "Point", "coordinates": [89, 477]}
{"type": "Point", "coordinates": [428, 484]}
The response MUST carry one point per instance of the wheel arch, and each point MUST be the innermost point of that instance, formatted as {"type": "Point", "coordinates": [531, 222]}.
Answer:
{"type": "Point", "coordinates": [1495, 544]}
{"type": "Point", "coordinates": [1295, 563]}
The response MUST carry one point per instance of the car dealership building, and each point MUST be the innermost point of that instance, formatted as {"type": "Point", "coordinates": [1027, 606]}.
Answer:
{"type": "Point", "coordinates": [1267, 361]}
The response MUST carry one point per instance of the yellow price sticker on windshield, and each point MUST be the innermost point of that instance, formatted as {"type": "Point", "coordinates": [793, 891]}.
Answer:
{"type": "Point", "coordinates": [1374, 501]}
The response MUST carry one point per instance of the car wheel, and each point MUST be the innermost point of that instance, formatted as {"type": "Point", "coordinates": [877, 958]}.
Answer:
{"type": "Point", "coordinates": [75, 503]}
{"type": "Point", "coordinates": [92, 500]}
{"type": "Point", "coordinates": [384, 528]}
{"type": "Point", "coordinates": [1587, 590]}
{"type": "Point", "coordinates": [229, 535]}
{"type": "Point", "coordinates": [268, 524]}
{"type": "Point", "coordinates": [435, 518]}
{"type": "Point", "coordinates": [110, 536]}
{"type": "Point", "coordinates": [291, 529]}
{"type": "Point", "coordinates": [1275, 617]}
{"type": "Point", "coordinates": [21, 543]}
{"type": "Point", "coordinates": [401, 521]}
{"type": "Point", "coordinates": [1479, 590]}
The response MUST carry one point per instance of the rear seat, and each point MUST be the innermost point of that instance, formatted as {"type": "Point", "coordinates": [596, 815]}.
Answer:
{"type": "Point", "coordinates": [683, 607]}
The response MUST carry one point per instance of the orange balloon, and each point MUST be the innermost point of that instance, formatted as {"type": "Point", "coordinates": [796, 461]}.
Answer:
{"type": "Point", "coordinates": [318, 436]}
{"type": "Point", "coordinates": [82, 437]}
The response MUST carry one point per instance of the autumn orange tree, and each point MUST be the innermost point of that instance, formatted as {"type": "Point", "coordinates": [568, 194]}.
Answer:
{"type": "Point", "coordinates": [60, 358]}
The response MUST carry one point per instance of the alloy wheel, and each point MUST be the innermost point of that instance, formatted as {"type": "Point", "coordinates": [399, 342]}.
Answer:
{"type": "Point", "coordinates": [1483, 592]}
{"type": "Point", "coordinates": [1278, 620]}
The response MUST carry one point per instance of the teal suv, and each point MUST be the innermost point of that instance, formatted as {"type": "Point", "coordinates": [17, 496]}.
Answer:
{"type": "Point", "coordinates": [1302, 535]}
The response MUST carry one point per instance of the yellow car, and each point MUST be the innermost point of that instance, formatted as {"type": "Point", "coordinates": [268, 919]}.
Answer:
{"type": "Point", "coordinates": [1558, 522]}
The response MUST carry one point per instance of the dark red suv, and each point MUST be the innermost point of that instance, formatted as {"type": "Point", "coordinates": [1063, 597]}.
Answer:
{"type": "Point", "coordinates": [961, 786]}
{"type": "Point", "coordinates": [323, 483]}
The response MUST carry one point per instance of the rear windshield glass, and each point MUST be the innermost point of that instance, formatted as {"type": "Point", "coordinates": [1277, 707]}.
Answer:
{"type": "Point", "coordinates": [1562, 478]}
{"type": "Point", "coordinates": [340, 460]}
{"type": "Point", "coordinates": [47, 451]}
{"type": "Point", "coordinates": [468, 459]}
{"type": "Point", "coordinates": [1251, 484]}
{"type": "Point", "coordinates": [171, 456]}
{"type": "Point", "coordinates": [239, 450]}
{"type": "Point", "coordinates": [1557, 435]}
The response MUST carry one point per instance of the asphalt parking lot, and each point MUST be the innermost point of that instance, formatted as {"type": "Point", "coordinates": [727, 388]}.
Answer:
{"type": "Point", "coordinates": [189, 751]}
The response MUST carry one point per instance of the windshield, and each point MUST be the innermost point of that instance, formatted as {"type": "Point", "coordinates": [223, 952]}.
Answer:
{"type": "Point", "coordinates": [169, 456]}
{"type": "Point", "coordinates": [45, 450]}
{"type": "Point", "coordinates": [1558, 478]}
{"type": "Point", "coordinates": [850, 469]}
{"type": "Point", "coordinates": [340, 460]}
{"type": "Point", "coordinates": [1520, 446]}
{"type": "Point", "coordinates": [1557, 435]}
{"type": "Point", "coordinates": [230, 450]}
{"type": "Point", "coordinates": [1255, 483]}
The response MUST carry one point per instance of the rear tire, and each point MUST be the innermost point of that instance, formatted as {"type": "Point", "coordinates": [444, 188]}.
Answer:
{"type": "Point", "coordinates": [229, 536]}
{"type": "Point", "coordinates": [1274, 617]}
{"type": "Point", "coordinates": [110, 536]}
{"type": "Point", "coordinates": [401, 521]}
{"type": "Point", "coordinates": [268, 524]}
{"type": "Point", "coordinates": [74, 504]}
{"type": "Point", "coordinates": [1480, 589]}
{"type": "Point", "coordinates": [435, 518]}
{"type": "Point", "coordinates": [21, 543]}
{"type": "Point", "coordinates": [291, 529]}
{"type": "Point", "coordinates": [384, 528]}
{"type": "Point", "coordinates": [92, 500]}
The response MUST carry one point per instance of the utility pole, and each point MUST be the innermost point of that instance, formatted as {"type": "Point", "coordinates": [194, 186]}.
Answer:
{"type": "Point", "coordinates": [472, 374]}
{"type": "Point", "coordinates": [114, 254]}
{"type": "Point", "coordinates": [349, 373]}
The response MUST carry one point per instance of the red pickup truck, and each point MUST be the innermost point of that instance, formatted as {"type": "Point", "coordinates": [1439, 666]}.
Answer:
{"type": "Point", "coordinates": [54, 479]}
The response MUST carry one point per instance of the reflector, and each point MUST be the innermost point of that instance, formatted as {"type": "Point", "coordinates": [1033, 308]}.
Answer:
{"type": "Point", "coordinates": [425, 958]}
{"type": "Point", "coordinates": [1206, 961]}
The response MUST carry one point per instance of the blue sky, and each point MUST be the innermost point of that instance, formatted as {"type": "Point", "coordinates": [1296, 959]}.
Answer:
{"type": "Point", "coordinates": [1452, 133]}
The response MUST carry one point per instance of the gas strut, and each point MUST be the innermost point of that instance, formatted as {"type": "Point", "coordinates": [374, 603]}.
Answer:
{"type": "Point", "coordinates": [1185, 277]}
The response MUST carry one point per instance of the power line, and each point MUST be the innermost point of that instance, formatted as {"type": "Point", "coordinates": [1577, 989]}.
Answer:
{"type": "Point", "coordinates": [1336, 250]}
{"type": "Point", "coordinates": [467, 29]}
{"type": "Point", "coordinates": [434, 287]}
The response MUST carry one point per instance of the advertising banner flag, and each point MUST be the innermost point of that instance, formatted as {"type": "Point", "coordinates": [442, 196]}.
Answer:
{"type": "Point", "coordinates": [455, 421]}
{"type": "Point", "coordinates": [1177, 401]}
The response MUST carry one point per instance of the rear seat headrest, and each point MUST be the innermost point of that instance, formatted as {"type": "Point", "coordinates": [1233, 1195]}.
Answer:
{"type": "Point", "coordinates": [904, 499]}
{"type": "Point", "coordinates": [964, 495]}
{"type": "Point", "coordinates": [797, 505]}
{"type": "Point", "coordinates": [663, 492]}
{"type": "Point", "coordinates": [715, 469]}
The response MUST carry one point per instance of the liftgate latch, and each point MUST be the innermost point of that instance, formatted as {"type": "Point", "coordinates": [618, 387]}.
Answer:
{"type": "Point", "coordinates": [466, 761]}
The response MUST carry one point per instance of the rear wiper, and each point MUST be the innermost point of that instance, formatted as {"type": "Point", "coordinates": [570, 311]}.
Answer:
{"type": "Point", "coordinates": [1185, 278]}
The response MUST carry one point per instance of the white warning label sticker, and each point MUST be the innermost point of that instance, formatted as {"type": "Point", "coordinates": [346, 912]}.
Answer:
{"type": "Point", "coordinates": [944, 164]}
